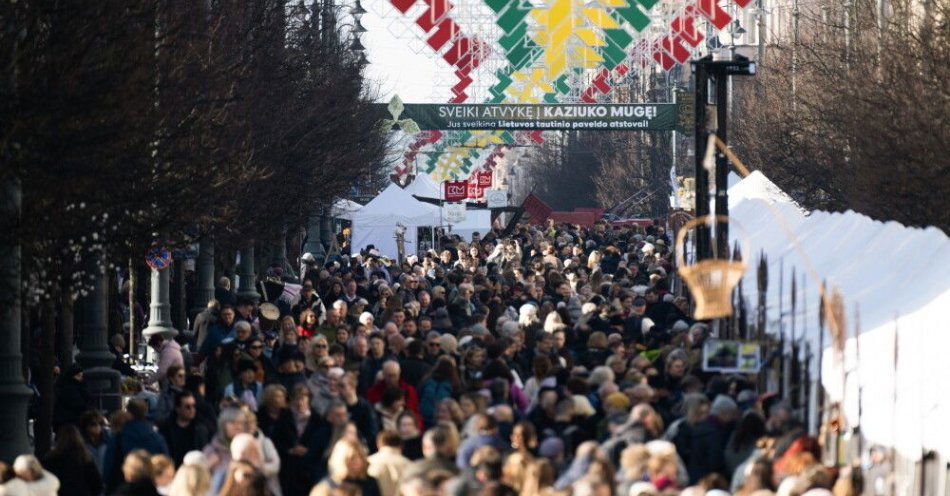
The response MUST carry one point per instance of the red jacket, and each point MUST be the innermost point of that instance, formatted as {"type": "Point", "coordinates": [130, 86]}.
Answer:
{"type": "Point", "coordinates": [375, 394]}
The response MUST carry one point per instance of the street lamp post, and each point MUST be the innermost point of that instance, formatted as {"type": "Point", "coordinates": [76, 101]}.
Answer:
{"type": "Point", "coordinates": [14, 395]}
{"type": "Point", "coordinates": [205, 269]}
{"type": "Point", "coordinates": [159, 316]}
{"type": "Point", "coordinates": [247, 287]}
{"type": "Point", "coordinates": [103, 381]}
{"type": "Point", "coordinates": [718, 70]}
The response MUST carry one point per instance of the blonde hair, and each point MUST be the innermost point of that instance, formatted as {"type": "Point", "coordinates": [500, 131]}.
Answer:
{"type": "Point", "coordinates": [270, 392]}
{"type": "Point", "coordinates": [161, 463]}
{"type": "Point", "coordinates": [538, 478]}
{"type": "Point", "coordinates": [190, 480]}
{"type": "Point", "coordinates": [594, 259]}
{"type": "Point", "coordinates": [515, 470]}
{"type": "Point", "coordinates": [343, 451]}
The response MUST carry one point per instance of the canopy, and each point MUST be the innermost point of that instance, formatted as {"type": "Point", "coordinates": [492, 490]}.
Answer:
{"type": "Point", "coordinates": [475, 221]}
{"type": "Point", "coordinates": [895, 282]}
{"type": "Point", "coordinates": [375, 223]}
{"type": "Point", "coordinates": [344, 209]}
{"type": "Point", "coordinates": [424, 186]}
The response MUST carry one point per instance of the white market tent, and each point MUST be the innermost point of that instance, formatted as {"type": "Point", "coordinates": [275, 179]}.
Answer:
{"type": "Point", "coordinates": [376, 222]}
{"type": "Point", "coordinates": [475, 221]}
{"type": "Point", "coordinates": [424, 186]}
{"type": "Point", "coordinates": [345, 209]}
{"type": "Point", "coordinates": [895, 281]}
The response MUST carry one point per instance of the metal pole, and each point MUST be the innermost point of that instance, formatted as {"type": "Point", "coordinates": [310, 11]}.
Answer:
{"type": "Point", "coordinates": [159, 317]}
{"type": "Point", "coordinates": [103, 382]}
{"type": "Point", "coordinates": [701, 92]}
{"type": "Point", "coordinates": [314, 245]}
{"type": "Point", "coordinates": [248, 280]}
{"type": "Point", "coordinates": [205, 268]}
{"type": "Point", "coordinates": [14, 395]}
{"type": "Point", "coordinates": [722, 163]}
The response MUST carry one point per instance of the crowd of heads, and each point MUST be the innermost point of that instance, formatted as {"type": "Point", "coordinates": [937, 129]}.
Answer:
{"type": "Point", "coordinates": [550, 360]}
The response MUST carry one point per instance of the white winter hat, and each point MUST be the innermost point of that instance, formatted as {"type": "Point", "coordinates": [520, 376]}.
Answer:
{"type": "Point", "coordinates": [365, 317]}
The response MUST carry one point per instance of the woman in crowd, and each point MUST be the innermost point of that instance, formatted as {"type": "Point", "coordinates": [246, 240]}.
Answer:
{"type": "Point", "coordinates": [441, 383]}
{"type": "Point", "coordinates": [348, 464]}
{"type": "Point", "coordinates": [70, 461]}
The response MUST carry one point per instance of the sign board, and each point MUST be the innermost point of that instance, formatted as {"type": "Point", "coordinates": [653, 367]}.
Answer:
{"type": "Point", "coordinates": [454, 212]}
{"type": "Point", "coordinates": [484, 178]}
{"type": "Point", "coordinates": [159, 258]}
{"type": "Point", "coordinates": [475, 191]}
{"type": "Point", "coordinates": [497, 198]}
{"type": "Point", "coordinates": [551, 116]}
{"type": "Point", "coordinates": [729, 356]}
{"type": "Point", "coordinates": [455, 191]}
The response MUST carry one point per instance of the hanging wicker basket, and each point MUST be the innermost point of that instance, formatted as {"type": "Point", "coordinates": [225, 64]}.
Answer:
{"type": "Point", "coordinates": [710, 281]}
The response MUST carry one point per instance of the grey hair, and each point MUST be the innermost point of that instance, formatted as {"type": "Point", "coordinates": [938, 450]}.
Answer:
{"type": "Point", "coordinates": [243, 324]}
{"type": "Point", "coordinates": [228, 415]}
{"type": "Point", "coordinates": [601, 375]}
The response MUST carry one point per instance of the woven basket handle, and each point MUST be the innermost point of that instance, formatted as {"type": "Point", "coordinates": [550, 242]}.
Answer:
{"type": "Point", "coordinates": [690, 224]}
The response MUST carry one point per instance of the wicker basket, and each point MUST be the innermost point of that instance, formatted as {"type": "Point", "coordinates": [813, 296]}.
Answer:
{"type": "Point", "coordinates": [710, 281]}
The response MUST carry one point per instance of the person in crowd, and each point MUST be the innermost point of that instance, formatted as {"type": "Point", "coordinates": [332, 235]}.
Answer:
{"type": "Point", "coordinates": [392, 379]}
{"type": "Point", "coordinates": [183, 432]}
{"type": "Point", "coordinates": [373, 363]}
{"type": "Point", "coordinates": [137, 475]}
{"type": "Point", "coordinates": [70, 461]}
{"type": "Point", "coordinates": [72, 397]}
{"type": "Point", "coordinates": [31, 478]}
{"type": "Point", "coordinates": [172, 386]}
{"type": "Point", "coordinates": [348, 464]}
{"type": "Point", "coordinates": [163, 472]}
{"type": "Point", "coordinates": [407, 425]}
{"type": "Point", "coordinates": [138, 434]}
{"type": "Point", "coordinates": [245, 387]}
{"type": "Point", "coordinates": [231, 422]}
{"type": "Point", "coordinates": [388, 464]}
{"type": "Point", "coordinates": [442, 382]}
{"type": "Point", "coordinates": [169, 354]}
{"type": "Point", "coordinates": [244, 479]}
{"type": "Point", "coordinates": [191, 479]}
{"type": "Point", "coordinates": [117, 346]}
{"type": "Point", "coordinates": [92, 426]}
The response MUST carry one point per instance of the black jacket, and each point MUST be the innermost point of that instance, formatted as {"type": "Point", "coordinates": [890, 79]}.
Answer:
{"type": "Point", "coordinates": [76, 478]}
{"type": "Point", "coordinates": [181, 440]}
{"type": "Point", "coordinates": [414, 370]}
{"type": "Point", "coordinates": [143, 487]}
{"type": "Point", "coordinates": [72, 400]}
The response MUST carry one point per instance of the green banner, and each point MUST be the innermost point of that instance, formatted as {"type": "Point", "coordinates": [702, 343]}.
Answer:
{"type": "Point", "coordinates": [553, 116]}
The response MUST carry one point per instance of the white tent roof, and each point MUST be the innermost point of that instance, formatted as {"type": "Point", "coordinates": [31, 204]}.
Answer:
{"type": "Point", "coordinates": [424, 186]}
{"type": "Point", "coordinates": [394, 205]}
{"type": "Point", "coordinates": [376, 222]}
{"type": "Point", "coordinates": [892, 278]}
{"type": "Point", "coordinates": [345, 209]}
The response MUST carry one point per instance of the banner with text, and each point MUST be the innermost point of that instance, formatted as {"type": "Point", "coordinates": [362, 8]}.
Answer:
{"type": "Point", "coordinates": [455, 191]}
{"type": "Point", "coordinates": [555, 116]}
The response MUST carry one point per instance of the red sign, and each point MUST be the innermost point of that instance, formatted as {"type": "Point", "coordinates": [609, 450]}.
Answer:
{"type": "Point", "coordinates": [455, 191]}
{"type": "Point", "coordinates": [158, 258]}
{"type": "Point", "coordinates": [484, 178]}
{"type": "Point", "coordinates": [475, 191]}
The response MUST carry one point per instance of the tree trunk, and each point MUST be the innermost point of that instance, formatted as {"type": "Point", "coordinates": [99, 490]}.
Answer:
{"type": "Point", "coordinates": [64, 346]}
{"type": "Point", "coordinates": [43, 376]}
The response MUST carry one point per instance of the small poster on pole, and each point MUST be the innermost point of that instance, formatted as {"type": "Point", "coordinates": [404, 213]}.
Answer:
{"type": "Point", "coordinates": [497, 198]}
{"type": "Point", "coordinates": [454, 213]}
{"type": "Point", "coordinates": [730, 356]}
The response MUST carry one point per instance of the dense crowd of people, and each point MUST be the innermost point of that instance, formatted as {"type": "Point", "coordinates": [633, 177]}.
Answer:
{"type": "Point", "coordinates": [553, 360]}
